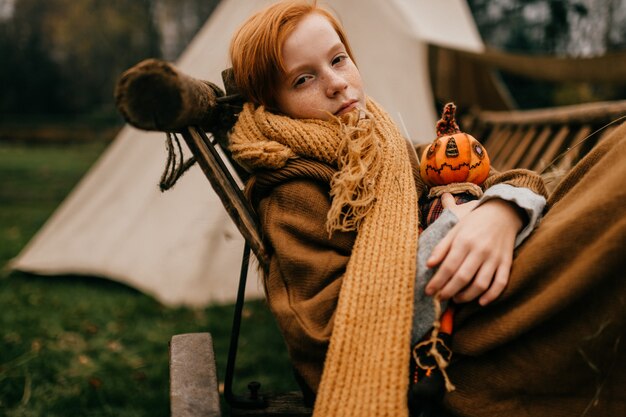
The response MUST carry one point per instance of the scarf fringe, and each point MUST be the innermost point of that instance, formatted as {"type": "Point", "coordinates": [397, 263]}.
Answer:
{"type": "Point", "coordinates": [353, 187]}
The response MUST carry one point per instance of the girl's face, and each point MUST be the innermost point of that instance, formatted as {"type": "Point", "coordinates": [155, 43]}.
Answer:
{"type": "Point", "coordinates": [321, 80]}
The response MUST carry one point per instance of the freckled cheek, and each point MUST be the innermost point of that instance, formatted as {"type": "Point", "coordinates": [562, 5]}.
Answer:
{"type": "Point", "coordinates": [307, 100]}
{"type": "Point", "coordinates": [307, 104]}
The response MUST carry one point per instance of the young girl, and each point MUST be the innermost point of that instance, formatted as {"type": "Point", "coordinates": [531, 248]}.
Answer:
{"type": "Point", "coordinates": [336, 188]}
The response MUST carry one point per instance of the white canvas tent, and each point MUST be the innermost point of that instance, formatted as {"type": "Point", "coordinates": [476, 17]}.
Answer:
{"type": "Point", "coordinates": [180, 246]}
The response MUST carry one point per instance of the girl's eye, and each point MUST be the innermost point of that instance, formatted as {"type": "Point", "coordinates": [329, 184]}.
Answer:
{"type": "Point", "coordinates": [339, 58]}
{"type": "Point", "coordinates": [301, 80]}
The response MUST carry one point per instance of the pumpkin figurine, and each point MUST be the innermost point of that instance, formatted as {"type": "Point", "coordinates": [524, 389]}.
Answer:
{"type": "Point", "coordinates": [454, 156]}
{"type": "Point", "coordinates": [454, 162]}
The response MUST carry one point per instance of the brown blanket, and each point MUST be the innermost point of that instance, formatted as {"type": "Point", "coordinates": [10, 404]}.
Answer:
{"type": "Point", "coordinates": [553, 344]}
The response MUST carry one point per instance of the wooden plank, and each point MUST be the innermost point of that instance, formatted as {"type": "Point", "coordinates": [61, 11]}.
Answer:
{"type": "Point", "coordinates": [193, 376]}
{"type": "Point", "coordinates": [226, 189]}
{"type": "Point", "coordinates": [554, 146]}
{"type": "Point", "coordinates": [279, 405]}
{"type": "Point", "coordinates": [538, 144]}
{"type": "Point", "coordinates": [498, 140]}
{"type": "Point", "coordinates": [505, 151]}
{"type": "Point", "coordinates": [519, 151]}
{"type": "Point", "coordinates": [601, 112]}
{"type": "Point", "coordinates": [573, 152]}
{"type": "Point", "coordinates": [490, 139]}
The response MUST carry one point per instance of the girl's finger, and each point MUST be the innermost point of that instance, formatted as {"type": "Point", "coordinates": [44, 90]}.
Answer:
{"type": "Point", "coordinates": [447, 200]}
{"type": "Point", "coordinates": [463, 277]}
{"type": "Point", "coordinates": [449, 269]}
{"type": "Point", "coordinates": [498, 285]}
{"type": "Point", "coordinates": [481, 283]}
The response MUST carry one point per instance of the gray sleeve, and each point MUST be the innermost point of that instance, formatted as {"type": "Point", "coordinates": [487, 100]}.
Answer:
{"type": "Point", "coordinates": [531, 203]}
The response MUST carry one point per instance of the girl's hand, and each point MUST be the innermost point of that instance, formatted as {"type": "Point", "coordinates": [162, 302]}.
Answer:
{"type": "Point", "coordinates": [475, 257]}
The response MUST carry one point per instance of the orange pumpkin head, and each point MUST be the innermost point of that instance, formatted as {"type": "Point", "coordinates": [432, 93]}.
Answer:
{"type": "Point", "coordinates": [454, 156]}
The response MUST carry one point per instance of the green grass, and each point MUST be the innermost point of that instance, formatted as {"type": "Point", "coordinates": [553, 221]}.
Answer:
{"type": "Point", "coordinates": [84, 346]}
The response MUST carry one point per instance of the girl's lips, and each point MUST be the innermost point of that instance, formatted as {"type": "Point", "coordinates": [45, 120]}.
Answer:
{"type": "Point", "coordinates": [346, 107]}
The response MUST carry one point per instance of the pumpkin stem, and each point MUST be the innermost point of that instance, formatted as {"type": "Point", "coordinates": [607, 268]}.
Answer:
{"type": "Point", "coordinates": [447, 124]}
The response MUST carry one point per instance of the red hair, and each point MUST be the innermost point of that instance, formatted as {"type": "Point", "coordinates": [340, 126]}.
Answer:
{"type": "Point", "coordinates": [256, 47]}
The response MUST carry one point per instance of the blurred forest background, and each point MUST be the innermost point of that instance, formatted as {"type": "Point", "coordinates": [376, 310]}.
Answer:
{"type": "Point", "coordinates": [61, 58]}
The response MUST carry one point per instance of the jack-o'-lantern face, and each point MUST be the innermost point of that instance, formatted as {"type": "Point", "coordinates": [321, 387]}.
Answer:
{"type": "Point", "coordinates": [454, 158]}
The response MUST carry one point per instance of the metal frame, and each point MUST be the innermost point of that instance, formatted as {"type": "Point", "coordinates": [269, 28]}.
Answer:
{"type": "Point", "coordinates": [241, 213]}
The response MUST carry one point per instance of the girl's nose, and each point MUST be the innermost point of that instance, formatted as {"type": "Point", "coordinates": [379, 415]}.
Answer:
{"type": "Point", "coordinates": [335, 83]}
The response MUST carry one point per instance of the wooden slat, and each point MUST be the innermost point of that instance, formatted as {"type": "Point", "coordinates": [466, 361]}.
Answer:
{"type": "Point", "coordinates": [537, 145]}
{"type": "Point", "coordinates": [555, 144]}
{"type": "Point", "coordinates": [520, 149]}
{"type": "Point", "coordinates": [601, 112]}
{"type": "Point", "coordinates": [226, 189]}
{"type": "Point", "coordinates": [503, 153]}
{"type": "Point", "coordinates": [574, 150]}
{"type": "Point", "coordinates": [538, 151]}
{"type": "Point", "coordinates": [498, 140]}
{"type": "Point", "coordinates": [490, 139]}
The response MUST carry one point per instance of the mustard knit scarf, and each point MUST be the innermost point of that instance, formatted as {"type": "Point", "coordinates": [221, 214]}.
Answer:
{"type": "Point", "coordinates": [366, 370]}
